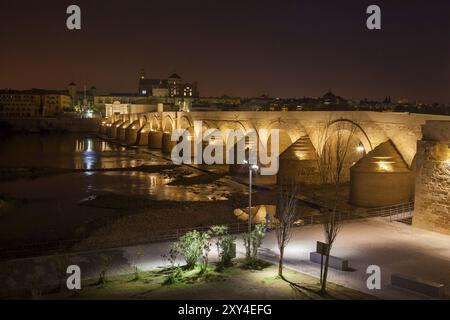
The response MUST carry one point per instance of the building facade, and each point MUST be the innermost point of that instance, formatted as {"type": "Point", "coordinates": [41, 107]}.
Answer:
{"type": "Point", "coordinates": [33, 103]}
{"type": "Point", "coordinates": [16, 104]}
{"type": "Point", "coordinates": [173, 86]}
{"type": "Point", "coordinates": [126, 108]}
{"type": "Point", "coordinates": [55, 104]}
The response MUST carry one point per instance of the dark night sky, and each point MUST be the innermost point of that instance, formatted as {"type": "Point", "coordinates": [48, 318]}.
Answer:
{"type": "Point", "coordinates": [246, 48]}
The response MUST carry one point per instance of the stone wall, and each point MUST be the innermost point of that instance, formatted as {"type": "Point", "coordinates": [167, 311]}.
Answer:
{"type": "Point", "coordinates": [432, 199]}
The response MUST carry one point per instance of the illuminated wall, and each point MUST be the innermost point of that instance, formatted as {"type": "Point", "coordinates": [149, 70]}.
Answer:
{"type": "Point", "coordinates": [432, 201]}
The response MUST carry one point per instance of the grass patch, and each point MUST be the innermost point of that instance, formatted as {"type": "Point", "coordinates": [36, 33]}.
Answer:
{"type": "Point", "coordinates": [255, 264]}
{"type": "Point", "coordinates": [234, 282]}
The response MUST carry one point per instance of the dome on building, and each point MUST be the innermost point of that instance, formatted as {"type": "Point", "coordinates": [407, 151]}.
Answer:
{"type": "Point", "coordinates": [174, 76]}
{"type": "Point", "coordinates": [329, 95]}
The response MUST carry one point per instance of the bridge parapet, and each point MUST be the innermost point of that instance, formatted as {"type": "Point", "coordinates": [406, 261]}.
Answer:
{"type": "Point", "coordinates": [374, 128]}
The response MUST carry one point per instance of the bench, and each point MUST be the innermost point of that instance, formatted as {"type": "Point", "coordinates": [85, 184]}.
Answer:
{"type": "Point", "coordinates": [334, 262]}
{"type": "Point", "coordinates": [428, 288]}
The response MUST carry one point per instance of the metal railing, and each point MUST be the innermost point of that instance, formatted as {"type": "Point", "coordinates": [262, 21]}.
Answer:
{"type": "Point", "coordinates": [60, 246]}
{"type": "Point", "coordinates": [394, 213]}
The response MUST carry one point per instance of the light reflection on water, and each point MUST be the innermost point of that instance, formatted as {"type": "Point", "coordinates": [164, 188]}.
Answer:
{"type": "Point", "coordinates": [89, 156]}
{"type": "Point", "coordinates": [92, 153]}
{"type": "Point", "coordinates": [53, 202]}
{"type": "Point", "coordinates": [154, 185]}
{"type": "Point", "coordinates": [68, 151]}
{"type": "Point", "coordinates": [77, 186]}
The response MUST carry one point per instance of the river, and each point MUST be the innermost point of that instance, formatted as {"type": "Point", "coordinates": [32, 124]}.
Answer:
{"type": "Point", "coordinates": [50, 207]}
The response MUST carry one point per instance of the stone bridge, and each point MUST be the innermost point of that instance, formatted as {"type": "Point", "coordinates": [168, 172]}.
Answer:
{"type": "Point", "coordinates": [372, 128]}
{"type": "Point", "coordinates": [382, 169]}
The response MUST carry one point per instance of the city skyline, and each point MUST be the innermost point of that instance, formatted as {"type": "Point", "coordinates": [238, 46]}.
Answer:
{"type": "Point", "coordinates": [224, 158]}
{"type": "Point", "coordinates": [291, 49]}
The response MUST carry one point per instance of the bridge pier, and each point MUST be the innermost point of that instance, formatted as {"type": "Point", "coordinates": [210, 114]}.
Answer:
{"type": "Point", "coordinates": [298, 163]}
{"type": "Point", "coordinates": [155, 139]}
{"type": "Point", "coordinates": [167, 144]}
{"type": "Point", "coordinates": [112, 131]}
{"type": "Point", "coordinates": [142, 135]}
{"type": "Point", "coordinates": [371, 129]}
{"type": "Point", "coordinates": [381, 178]}
{"type": "Point", "coordinates": [104, 127]}
{"type": "Point", "coordinates": [121, 130]}
{"type": "Point", "coordinates": [131, 132]}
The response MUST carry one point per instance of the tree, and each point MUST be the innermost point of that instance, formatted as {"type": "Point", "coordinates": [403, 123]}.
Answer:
{"type": "Point", "coordinates": [334, 157]}
{"type": "Point", "coordinates": [285, 214]}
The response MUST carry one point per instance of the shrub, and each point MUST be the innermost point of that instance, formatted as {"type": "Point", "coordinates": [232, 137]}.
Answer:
{"type": "Point", "coordinates": [190, 247]}
{"type": "Point", "coordinates": [106, 261]}
{"type": "Point", "coordinates": [252, 242]}
{"type": "Point", "coordinates": [206, 248]}
{"type": "Point", "coordinates": [174, 276]}
{"type": "Point", "coordinates": [218, 232]}
{"type": "Point", "coordinates": [258, 235]}
{"type": "Point", "coordinates": [174, 272]}
{"type": "Point", "coordinates": [225, 244]}
{"type": "Point", "coordinates": [137, 254]}
{"type": "Point", "coordinates": [228, 250]}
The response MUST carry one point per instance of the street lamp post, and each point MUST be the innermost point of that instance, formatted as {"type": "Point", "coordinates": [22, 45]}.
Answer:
{"type": "Point", "coordinates": [249, 199]}
{"type": "Point", "coordinates": [250, 176]}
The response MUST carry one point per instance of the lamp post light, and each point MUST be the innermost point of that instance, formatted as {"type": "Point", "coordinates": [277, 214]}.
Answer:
{"type": "Point", "coordinates": [250, 176]}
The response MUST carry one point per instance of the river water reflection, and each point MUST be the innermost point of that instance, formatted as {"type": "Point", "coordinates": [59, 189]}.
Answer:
{"type": "Point", "coordinates": [68, 151]}
{"type": "Point", "coordinates": [52, 207]}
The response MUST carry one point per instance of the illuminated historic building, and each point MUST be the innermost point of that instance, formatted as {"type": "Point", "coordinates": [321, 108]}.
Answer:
{"type": "Point", "coordinates": [174, 86]}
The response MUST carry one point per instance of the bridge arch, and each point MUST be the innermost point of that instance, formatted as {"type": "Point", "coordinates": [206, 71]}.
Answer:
{"type": "Point", "coordinates": [155, 123]}
{"type": "Point", "coordinates": [286, 135]}
{"type": "Point", "coordinates": [185, 122]}
{"type": "Point", "coordinates": [233, 125]}
{"type": "Point", "coordinates": [352, 141]}
{"type": "Point", "coordinates": [350, 126]}
{"type": "Point", "coordinates": [168, 123]}
{"type": "Point", "coordinates": [143, 120]}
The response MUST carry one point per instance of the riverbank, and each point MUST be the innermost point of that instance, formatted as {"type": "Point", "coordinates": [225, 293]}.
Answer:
{"type": "Point", "coordinates": [140, 220]}
{"type": "Point", "coordinates": [50, 125]}
{"type": "Point", "coordinates": [109, 194]}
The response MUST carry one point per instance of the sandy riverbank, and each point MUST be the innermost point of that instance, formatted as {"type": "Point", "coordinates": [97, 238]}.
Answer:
{"type": "Point", "coordinates": [140, 220]}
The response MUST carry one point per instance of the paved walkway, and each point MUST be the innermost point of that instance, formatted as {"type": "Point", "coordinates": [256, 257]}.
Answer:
{"type": "Point", "coordinates": [395, 247]}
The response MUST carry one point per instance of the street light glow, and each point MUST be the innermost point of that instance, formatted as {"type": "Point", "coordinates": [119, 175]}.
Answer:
{"type": "Point", "coordinates": [360, 148]}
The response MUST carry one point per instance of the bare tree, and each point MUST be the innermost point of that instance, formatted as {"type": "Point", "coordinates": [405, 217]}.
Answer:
{"type": "Point", "coordinates": [285, 214]}
{"type": "Point", "coordinates": [333, 158]}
